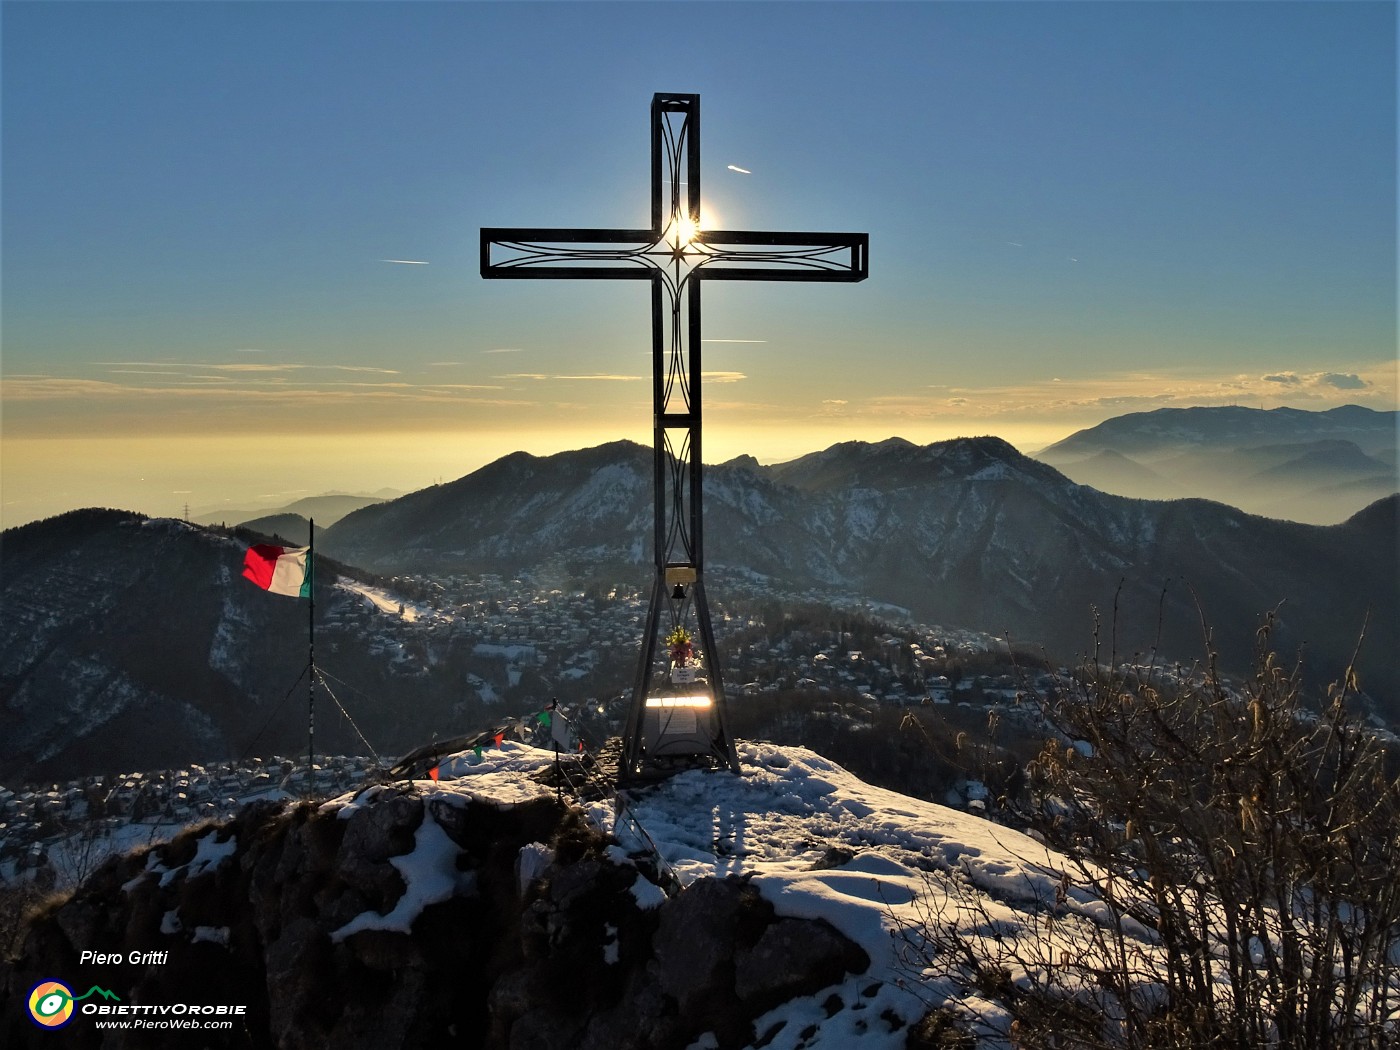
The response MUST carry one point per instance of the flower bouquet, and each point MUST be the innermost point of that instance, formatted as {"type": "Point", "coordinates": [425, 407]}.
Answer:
{"type": "Point", "coordinates": [681, 646]}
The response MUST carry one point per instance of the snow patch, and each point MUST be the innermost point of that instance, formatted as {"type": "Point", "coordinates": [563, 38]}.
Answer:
{"type": "Point", "coordinates": [211, 935]}
{"type": "Point", "coordinates": [430, 875]}
{"type": "Point", "coordinates": [207, 858]}
{"type": "Point", "coordinates": [153, 867]}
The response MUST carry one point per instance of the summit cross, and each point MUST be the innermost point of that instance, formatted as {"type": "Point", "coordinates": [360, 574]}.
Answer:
{"type": "Point", "coordinates": [667, 725]}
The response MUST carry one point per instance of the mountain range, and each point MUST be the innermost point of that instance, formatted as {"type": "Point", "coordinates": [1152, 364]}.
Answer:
{"type": "Point", "coordinates": [968, 532]}
{"type": "Point", "coordinates": [325, 509]}
{"type": "Point", "coordinates": [124, 644]}
{"type": "Point", "coordinates": [1317, 467]}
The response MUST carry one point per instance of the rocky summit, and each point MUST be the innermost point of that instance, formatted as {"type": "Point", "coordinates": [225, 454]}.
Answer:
{"type": "Point", "coordinates": [481, 909]}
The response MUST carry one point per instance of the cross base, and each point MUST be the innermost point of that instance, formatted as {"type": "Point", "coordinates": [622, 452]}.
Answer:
{"type": "Point", "coordinates": [676, 720]}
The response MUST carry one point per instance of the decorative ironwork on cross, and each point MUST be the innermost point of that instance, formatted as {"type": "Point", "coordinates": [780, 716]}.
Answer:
{"type": "Point", "coordinates": [677, 714]}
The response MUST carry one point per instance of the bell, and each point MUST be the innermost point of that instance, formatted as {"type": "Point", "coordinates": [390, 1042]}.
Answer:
{"type": "Point", "coordinates": [679, 593]}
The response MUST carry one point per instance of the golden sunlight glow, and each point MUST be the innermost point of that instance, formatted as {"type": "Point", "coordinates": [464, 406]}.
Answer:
{"type": "Point", "coordinates": [700, 700]}
{"type": "Point", "coordinates": [682, 231]}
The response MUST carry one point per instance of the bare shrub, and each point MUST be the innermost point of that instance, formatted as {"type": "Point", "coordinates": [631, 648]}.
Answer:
{"type": "Point", "coordinates": [1230, 874]}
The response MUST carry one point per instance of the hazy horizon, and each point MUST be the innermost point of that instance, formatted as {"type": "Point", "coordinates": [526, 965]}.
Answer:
{"type": "Point", "coordinates": [254, 496]}
{"type": "Point", "coordinates": [385, 470]}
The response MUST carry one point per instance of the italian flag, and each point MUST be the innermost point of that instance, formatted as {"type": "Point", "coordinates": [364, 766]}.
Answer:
{"type": "Point", "coordinates": [281, 570]}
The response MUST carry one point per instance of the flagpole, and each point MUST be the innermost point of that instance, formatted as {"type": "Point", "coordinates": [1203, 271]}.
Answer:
{"type": "Point", "coordinates": [554, 736]}
{"type": "Point", "coordinates": [311, 658]}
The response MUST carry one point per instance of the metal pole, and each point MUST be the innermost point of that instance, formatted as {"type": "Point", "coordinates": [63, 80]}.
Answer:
{"type": "Point", "coordinates": [311, 658]}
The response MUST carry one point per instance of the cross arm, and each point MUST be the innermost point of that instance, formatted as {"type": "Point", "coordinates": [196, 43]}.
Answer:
{"type": "Point", "coordinates": [760, 255]}
{"type": "Point", "coordinates": [537, 251]}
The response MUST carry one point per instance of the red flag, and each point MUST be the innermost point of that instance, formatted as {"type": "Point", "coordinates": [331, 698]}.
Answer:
{"type": "Point", "coordinates": [499, 738]}
{"type": "Point", "coordinates": [433, 773]}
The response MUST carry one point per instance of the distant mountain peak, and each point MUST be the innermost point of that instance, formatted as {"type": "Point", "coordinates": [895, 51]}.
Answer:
{"type": "Point", "coordinates": [1287, 463]}
{"type": "Point", "coordinates": [1231, 425]}
{"type": "Point", "coordinates": [743, 462]}
{"type": "Point", "coordinates": [986, 445]}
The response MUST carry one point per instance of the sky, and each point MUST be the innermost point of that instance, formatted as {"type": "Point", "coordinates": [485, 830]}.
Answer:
{"type": "Point", "coordinates": [240, 255]}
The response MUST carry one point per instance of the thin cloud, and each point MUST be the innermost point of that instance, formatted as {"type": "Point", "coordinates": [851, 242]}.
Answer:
{"type": "Point", "coordinates": [723, 377]}
{"type": "Point", "coordinates": [242, 367]}
{"type": "Point", "coordinates": [406, 262]}
{"type": "Point", "coordinates": [255, 391]}
{"type": "Point", "coordinates": [1094, 397]}
{"type": "Point", "coordinates": [461, 386]}
{"type": "Point", "coordinates": [505, 350]}
{"type": "Point", "coordinates": [146, 364]}
{"type": "Point", "coordinates": [1342, 380]}
{"type": "Point", "coordinates": [1334, 380]}
{"type": "Point", "coordinates": [602, 376]}
{"type": "Point", "coordinates": [302, 368]}
{"type": "Point", "coordinates": [733, 340]}
{"type": "Point", "coordinates": [741, 171]}
{"type": "Point", "coordinates": [254, 368]}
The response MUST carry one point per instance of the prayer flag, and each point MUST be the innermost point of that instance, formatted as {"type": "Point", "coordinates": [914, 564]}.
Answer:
{"type": "Point", "coordinates": [435, 772]}
{"type": "Point", "coordinates": [559, 729]}
{"type": "Point", "coordinates": [281, 570]}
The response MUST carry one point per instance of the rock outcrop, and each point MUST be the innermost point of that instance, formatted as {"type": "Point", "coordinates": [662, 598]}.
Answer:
{"type": "Point", "coordinates": [406, 919]}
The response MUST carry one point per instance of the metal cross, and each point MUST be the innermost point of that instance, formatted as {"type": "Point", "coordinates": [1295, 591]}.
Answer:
{"type": "Point", "coordinates": [677, 713]}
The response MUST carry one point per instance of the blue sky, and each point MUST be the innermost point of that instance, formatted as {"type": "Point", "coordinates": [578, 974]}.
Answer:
{"type": "Point", "coordinates": [1075, 210]}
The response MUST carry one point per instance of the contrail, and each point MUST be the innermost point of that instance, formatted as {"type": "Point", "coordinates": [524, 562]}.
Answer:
{"type": "Point", "coordinates": [741, 171]}
{"type": "Point", "coordinates": [406, 262]}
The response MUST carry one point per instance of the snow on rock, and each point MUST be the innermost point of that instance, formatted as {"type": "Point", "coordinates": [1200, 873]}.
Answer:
{"type": "Point", "coordinates": [430, 875]}
{"type": "Point", "coordinates": [785, 820]}
{"type": "Point", "coordinates": [795, 919]}
{"type": "Point", "coordinates": [211, 935]}
{"type": "Point", "coordinates": [819, 844]}
{"type": "Point", "coordinates": [532, 862]}
{"type": "Point", "coordinates": [503, 776]}
{"type": "Point", "coordinates": [153, 867]}
{"type": "Point", "coordinates": [208, 856]}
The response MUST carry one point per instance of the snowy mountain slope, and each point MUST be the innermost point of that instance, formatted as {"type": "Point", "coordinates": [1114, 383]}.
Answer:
{"type": "Point", "coordinates": [596, 499]}
{"type": "Point", "coordinates": [967, 531]}
{"type": "Point", "coordinates": [135, 643]}
{"type": "Point", "coordinates": [86, 654]}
